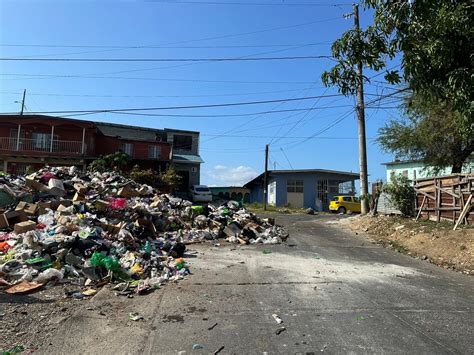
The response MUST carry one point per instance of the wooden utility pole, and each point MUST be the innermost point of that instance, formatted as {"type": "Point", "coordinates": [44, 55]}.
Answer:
{"type": "Point", "coordinates": [265, 177]}
{"type": "Point", "coordinates": [23, 103]}
{"type": "Point", "coordinates": [364, 189]}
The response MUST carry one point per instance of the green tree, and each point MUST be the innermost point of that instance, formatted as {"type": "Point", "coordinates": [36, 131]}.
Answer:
{"type": "Point", "coordinates": [432, 132]}
{"type": "Point", "coordinates": [434, 39]}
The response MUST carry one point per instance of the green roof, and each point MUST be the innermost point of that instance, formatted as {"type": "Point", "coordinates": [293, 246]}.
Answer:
{"type": "Point", "coordinates": [187, 158]}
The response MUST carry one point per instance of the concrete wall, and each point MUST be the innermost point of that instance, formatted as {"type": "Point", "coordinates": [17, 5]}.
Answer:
{"type": "Point", "coordinates": [310, 181]}
{"type": "Point", "coordinates": [194, 177]}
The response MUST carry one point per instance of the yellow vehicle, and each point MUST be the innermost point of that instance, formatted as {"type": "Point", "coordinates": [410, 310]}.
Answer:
{"type": "Point", "coordinates": [342, 204]}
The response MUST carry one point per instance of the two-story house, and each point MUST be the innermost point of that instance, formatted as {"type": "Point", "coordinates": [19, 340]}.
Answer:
{"type": "Point", "coordinates": [35, 141]}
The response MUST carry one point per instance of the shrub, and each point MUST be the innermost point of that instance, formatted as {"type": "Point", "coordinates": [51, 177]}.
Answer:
{"type": "Point", "coordinates": [147, 176]}
{"type": "Point", "coordinates": [114, 161]}
{"type": "Point", "coordinates": [170, 179]}
{"type": "Point", "coordinates": [402, 194]}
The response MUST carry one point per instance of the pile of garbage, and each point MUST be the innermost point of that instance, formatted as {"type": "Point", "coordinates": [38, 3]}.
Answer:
{"type": "Point", "coordinates": [90, 229]}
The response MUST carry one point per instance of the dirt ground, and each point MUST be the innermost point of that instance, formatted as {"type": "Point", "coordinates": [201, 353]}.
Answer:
{"type": "Point", "coordinates": [25, 320]}
{"type": "Point", "coordinates": [427, 240]}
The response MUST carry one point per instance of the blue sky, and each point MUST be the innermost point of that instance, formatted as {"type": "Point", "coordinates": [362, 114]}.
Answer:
{"type": "Point", "coordinates": [232, 147]}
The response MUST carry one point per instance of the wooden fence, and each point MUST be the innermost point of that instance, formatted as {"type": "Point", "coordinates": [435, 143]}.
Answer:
{"type": "Point", "coordinates": [448, 198]}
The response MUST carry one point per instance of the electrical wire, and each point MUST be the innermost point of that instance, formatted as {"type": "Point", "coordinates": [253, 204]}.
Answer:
{"type": "Point", "coordinates": [4, 59]}
{"type": "Point", "coordinates": [187, 2]}
{"type": "Point", "coordinates": [189, 107]}
{"type": "Point", "coordinates": [47, 76]}
{"type": "Point", "coordinates": [165, 46]}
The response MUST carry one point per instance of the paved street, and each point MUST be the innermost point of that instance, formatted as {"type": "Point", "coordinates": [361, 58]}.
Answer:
{"type": "Point", "coordinates": [335, 291]}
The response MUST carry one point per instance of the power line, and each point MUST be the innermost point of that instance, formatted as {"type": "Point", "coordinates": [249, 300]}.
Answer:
{"type": "Point", "coordinates": [192, 106]}
{"type": "Point", "coordinates": [213, 116]}
{"type": "Point", "coordinates": [187, 2]}
{"type": "Point", "coordinates": [149, 96]}
{"type": "Point", "coordinates": [46, 76]}
{"type": "Point", "coordinates": [165, 59]}
{"type": "Point", "coordinates": [164, 46]}
{"type": "Point", "coordinates": [288, 160]}
{"type": "Point", "coordinates": [232, 35]}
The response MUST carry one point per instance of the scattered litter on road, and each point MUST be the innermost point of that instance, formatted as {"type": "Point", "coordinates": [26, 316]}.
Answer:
{"type": "Point", "coordinates": [15, 350]}
{"type": "Point", "coordinates": [219, 350]}
{"type": "Point", "coordinates": [277, 318]}
{"type": "Point", "coordinates": [135, 316]}
{"type": "Point", "coordinates": [266, 252]}
{"type": "Point", "coordinates": [360, 317]}
{"type": "Point", "coordinates": [280, 330]}
{"type": "Point", "coordinates": [91, 229]}
{"type": "Point", "coordinates": [198, 346]}
{"type": "Point", "coordinates": [212, 326]}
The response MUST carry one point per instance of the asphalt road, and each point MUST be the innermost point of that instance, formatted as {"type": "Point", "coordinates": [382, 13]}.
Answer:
{"type": "Point", "coordinates": [335, 291]}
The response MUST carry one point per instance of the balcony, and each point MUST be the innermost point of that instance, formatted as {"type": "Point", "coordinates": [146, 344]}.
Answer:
{"type": "Point", "coordinates": [40, 147]}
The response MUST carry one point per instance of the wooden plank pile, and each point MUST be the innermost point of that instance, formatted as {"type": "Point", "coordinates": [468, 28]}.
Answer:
{"type": "Point", "coordinates": [448, 198]}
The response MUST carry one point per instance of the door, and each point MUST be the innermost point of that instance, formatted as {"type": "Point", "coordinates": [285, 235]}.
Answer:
{"type": "Point", "coordinates": [272, 193]}
{"type": "Point", "coordinates": [295, 193]}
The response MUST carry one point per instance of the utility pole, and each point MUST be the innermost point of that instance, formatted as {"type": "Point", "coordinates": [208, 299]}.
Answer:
{"type": "Point", "coordinates": [265, 177]}
{"type": "Point", "coordinates": [364, 189]}
{"type": "Point", "coordinates": [23, 103]}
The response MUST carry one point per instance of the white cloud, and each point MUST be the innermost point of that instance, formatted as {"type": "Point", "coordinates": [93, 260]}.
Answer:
{"type": "Point", "coordinates": [229, 176]}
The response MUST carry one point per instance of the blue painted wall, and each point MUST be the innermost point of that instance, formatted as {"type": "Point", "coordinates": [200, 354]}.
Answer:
{"type": "Point", "coordinates": [310, 181]}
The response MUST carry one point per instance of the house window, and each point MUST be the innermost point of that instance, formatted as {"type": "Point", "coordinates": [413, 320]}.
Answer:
{"type": "Point", "coordinates": [182, 142]}
{"type": "Point", "coordinates": [154, 151]}
{"type": "Point", "coordinates": [405, 173]}
{"type": "Point", "coordinates": [294, 186]}
{"type": "Point", "coordinates": [41, 140]}
{"type": "Point", "coordinates": [127, 148]}
{"type": "Point", "coordinates": [333, 187]}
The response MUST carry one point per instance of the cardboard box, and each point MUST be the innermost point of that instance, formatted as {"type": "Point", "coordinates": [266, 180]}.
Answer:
{"type": "Point", "coordinates": [35, 185]}
{"type": "Point", "coordinates": [64, 210]}
{"type": "Point", "coordinates": [149, 226]}
{"type": "Point", "coordinates": [127, 191]}
{"type": "Point", "coordinates": [10, 218]}
{"type": "Point", "coordinates": [101, 205]}
{"type": "Point", "coordinates": [31, 209]}
{"type": "Point", "coordinates": [112, 228]}
{"type": "Point", "coordinates": [80, 188]}
{"type": "Point", "coordinates": [43, 205]}
{"type": "Point", "coordinates": [23, 227]}
{"type": "Point", "coordinates": [78, 197]}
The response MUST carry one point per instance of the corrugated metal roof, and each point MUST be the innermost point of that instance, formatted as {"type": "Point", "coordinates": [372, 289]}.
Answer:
{"type": "Point", "coordinates": [130, 132]}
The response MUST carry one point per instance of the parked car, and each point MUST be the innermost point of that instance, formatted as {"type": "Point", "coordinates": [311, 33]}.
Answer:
{"type": "Point", "coordinates": [342, 204]}
{"type": "Point", "coordinates": [201, 193]}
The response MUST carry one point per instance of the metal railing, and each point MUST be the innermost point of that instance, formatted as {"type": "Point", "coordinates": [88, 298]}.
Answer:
{"type": "Point", "coordinates": [43, 146]}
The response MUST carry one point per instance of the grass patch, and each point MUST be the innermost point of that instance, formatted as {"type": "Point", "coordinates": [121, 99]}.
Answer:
{"type": "Point", "coordinates": [258, 208]}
